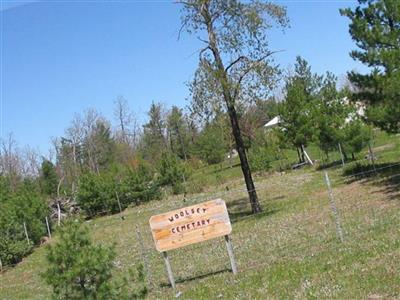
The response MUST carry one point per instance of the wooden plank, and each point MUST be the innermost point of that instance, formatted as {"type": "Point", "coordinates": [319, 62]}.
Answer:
{"type": "Point", "coordinates": [189, 225]}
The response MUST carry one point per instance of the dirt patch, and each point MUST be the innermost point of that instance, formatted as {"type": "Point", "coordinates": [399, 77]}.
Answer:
{"type": "Point", "coordinates": [384, 147]}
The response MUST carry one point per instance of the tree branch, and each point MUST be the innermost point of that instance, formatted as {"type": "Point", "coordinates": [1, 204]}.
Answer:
{"type": "Point", "coordinates": [248, 69]}
{"type": "Point", "coordinates": [204, 50]}
{"type": "Point", "coordinates": [187, 3]}
{"type": "Point", "coordinates": [242, 57]}
{"type": "Point", "coordinates": [235, 62]}
{"type": "Point", "coordinates": [184, 23]}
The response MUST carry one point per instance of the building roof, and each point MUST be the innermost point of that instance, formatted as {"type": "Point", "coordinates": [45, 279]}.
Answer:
{"type": "Point", "coordinates": [273, 122]}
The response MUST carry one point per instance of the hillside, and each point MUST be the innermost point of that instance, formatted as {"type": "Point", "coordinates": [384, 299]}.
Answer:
{"type": "Point", "coordinates": [288, 251]}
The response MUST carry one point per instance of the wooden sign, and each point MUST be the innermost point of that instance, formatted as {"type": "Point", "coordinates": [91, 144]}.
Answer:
{"type": "Point", "coordinates": [189, 225]}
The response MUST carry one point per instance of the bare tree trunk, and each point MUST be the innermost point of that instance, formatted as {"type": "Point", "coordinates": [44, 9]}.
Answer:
{"type": "Point", "coordinates": [222, 76]}
{"type": "Point", "coordinates": [255, 205]}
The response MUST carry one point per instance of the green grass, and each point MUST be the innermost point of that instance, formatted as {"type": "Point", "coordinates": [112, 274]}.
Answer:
{"type": "Point", "coordinates": [288, 251]}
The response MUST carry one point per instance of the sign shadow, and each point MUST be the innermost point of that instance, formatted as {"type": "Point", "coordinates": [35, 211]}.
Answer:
{"type": "Point", "coordinates": [197, 277]}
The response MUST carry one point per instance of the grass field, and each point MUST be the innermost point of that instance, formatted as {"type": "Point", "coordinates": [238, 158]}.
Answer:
{"type": "Point", "coordinates": [289, 251]}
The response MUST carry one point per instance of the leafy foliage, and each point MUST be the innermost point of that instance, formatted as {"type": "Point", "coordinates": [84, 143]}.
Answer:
{"type": "Point", "coordinates": [356, 137]}
{"type": "Point", "coordinates": [154, 132]}
{"type": "Point", "coordinates": [178, 132]}
{"type": "Point", "coordinates": [172, 172]}
{"type": "Point", "coordinates": [139, 185]}
{"type": "Point", "coordinates": [375, 29]}
{"type": "Point", "coordinates": [80, 270]}
{"type": "Point", "coordinates": [259, 159]}
{"type": "Point", "coordinates": [296, 112]}
{"type": "Point", "coordinates": [212, 145]}
{"type": "Point", "coordinates": [48, 178]}
{"type": "Point", "coordinates": [235, 65]}
{"type": "Point", "coordinates": [314, 110]}
{"type": "Point", "coordinates": [97, 194]}
{"type": "Point", "coordinates": [24, 204]}
{"type": "Point", "coordinates": [330, 111]}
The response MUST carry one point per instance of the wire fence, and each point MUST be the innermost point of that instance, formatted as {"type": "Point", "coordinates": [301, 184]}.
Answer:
{"type": "Point", "coordinates": [325, 215]}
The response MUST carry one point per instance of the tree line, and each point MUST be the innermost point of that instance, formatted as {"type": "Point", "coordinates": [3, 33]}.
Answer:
{"type": "Point", "coordinates": [99, 166]}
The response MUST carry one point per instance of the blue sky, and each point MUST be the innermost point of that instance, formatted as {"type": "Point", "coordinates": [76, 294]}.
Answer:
{"type": "Point", "coordinates": [61, 57]}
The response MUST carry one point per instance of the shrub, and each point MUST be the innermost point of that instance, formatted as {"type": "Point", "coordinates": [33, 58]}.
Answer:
{"type": "Point", "coordinates": [139, 186]}
{"type": "Point", "coordinates": [211, 146]}
{"type": "Point", "coordinates": [196, 185]}
{"type": "Point", "coordinates": [22, 204]}
{"type": "Point", "coordinates": [79, 269]}
{"type": "Point", "coordinates": [172, 172]}
{"type": "Point", "coordinates": [259, 159]}
{"type": "Point", "coordinates": [96, 194]}
{"type": "Point", "coordinates": [356, 136]}
{"type": "Point", "coordinates": [48, 179]}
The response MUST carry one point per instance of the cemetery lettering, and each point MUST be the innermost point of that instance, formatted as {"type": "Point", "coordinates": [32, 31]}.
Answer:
{"type": "Point", "coordinates": [190, 225]}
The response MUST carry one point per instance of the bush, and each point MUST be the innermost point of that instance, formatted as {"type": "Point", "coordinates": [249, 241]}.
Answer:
{"type": "Point", "coordinates": [79, 269]}
{"type": "Point", "coordinates": [172, 172]}
{"type": "Point", "coordinates": [138, 185]}
{"type": "Point", "coordinates": [48, 179]}
{"type": "Point", "coordinates": [196, 185]}
{"type": "Point", "coordinates": [97, 193]}
{"type": "Point", "coordinates": [22, 204]}
{"type": "Point", "coordinates": [211, 146]}
{"type": "Point", "coordinates": [356, 136]}
{"type": "Point", "coordinates": [259, 159]}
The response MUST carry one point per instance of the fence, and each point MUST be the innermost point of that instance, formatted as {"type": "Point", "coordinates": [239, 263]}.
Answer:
{"type": "Point", "coordinates": [303, 211]}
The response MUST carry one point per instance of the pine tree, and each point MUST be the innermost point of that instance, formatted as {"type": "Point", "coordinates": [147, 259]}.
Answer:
{"type": "Point", "coordinates": [375, 27]}
{"type": "Point", "coordinates": [48, 178]}
{"type": "Point", "coordinates": [78, 269]}
{"type": "Point", "coordinates": [178, 133]}
{"type": "Point", "coordinates": [296, 111]}
{"type": "Point", "coordinates": [154, 133]}
{"type": "Point", "coordinates": [330, 112]}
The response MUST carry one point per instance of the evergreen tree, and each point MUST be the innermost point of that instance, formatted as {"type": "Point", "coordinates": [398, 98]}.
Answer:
{"type": "Point", "coordinates": [375, 27]}
{"type": "Point", "coordinates": [48, 178]}
{"type": "Point", "coordinates": [154, 133]}
{"type": "Point", "coordinates": [78, 269]}
{"type": "Point", "coordinates": [178, 133]}
{"type": "Point", "coordinates": [103, 145]}
{"type": "Point", "coordinates": [172, 172]}
{"type": "Point", "coordinates": [356, 136]}
{"type": "Point", "coordinates": [20, 204]}
{"type": "Point", "coordinates": [212, 145]}
{"type": "Point", "coordinates": [330, 112]}
{"type": "Point", "coordinates": [296, 111]}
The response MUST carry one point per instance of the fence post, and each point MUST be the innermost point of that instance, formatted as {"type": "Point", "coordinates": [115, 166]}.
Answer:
{"type": "Point", "coordinates": [59, 213]}
{"type": "Point", "coordinates": [119, 203]}
{"type": "Point", "coordinates": [230, 253]}
{"type": "Point", "coordinates": [371, 156]}
{"type": "Point", "coordinates": [341, 154]}
{"type": "Point", "coordinates": [48, 227]}
{"type": "Point", "coordinates": [335, 211]}
{"type": "Point", "coordinates": [169, 270]}
{"type": "Point", "coordinates": [26, 234]}
{"type": "Point", "coordinates": [144, 257]}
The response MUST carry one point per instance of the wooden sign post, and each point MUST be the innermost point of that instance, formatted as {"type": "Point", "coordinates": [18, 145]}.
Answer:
{"type": "Point", "coordinates": [189, 225]}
